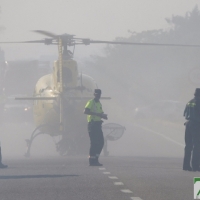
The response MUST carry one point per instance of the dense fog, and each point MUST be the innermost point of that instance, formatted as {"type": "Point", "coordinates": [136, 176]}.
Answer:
{"type": "Point", "coordinates": [156, 80]}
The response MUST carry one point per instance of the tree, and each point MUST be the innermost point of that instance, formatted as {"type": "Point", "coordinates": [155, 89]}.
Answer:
{"type": "Point", "coordinates": [153, 72]}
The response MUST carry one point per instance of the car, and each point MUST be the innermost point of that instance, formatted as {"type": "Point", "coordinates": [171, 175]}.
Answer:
{"type": "Point", "coordinates": [17, 110]}
{"type": "Point", "coordinates": [165, 109]}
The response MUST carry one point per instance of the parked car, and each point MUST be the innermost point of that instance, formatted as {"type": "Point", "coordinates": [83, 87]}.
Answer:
{"type": "Point", "coordinates": [165, 109]}
{"type": "Point", "coordinates": [17, 110]}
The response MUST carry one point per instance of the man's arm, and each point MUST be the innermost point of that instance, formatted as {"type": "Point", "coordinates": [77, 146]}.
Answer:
{"type": "Point", "coordinates": [88, 112]}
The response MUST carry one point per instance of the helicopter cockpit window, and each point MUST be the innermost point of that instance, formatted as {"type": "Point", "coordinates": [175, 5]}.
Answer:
{"type": "Point", "coordinates": [67, 76]}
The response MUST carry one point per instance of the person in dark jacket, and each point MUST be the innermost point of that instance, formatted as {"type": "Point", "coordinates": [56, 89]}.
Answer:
{"type": "Point", "coordinates": [192, 134]}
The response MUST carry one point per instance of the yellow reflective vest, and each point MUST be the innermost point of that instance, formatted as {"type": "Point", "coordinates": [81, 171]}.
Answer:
{"type": "Point", "coordinates": [94, 107]}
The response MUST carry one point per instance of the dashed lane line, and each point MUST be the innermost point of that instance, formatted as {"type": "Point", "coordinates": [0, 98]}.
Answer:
{"type": "Point", "coordinates": [102, 168]}
{"type": "Point", "coordinates": [106, 172]}
{"type": "Point", "coordinates": [162, 135]}
{"type": "Point", "coordinates": [126, 191]}
{"type": "Point", "coordinates": [118, 183]}
{"type": "Point", "coordinates": [112, 177]}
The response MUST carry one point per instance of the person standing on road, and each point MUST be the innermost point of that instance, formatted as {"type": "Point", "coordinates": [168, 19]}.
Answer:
{"type": "Point", "coordinates": [2, 102]}
{"type": "Point", "coordinates": [95, 113]}
{"type": "Point", "coordinates": [1, 164]}
{"type": "Point", "coordinates": [192, 133]}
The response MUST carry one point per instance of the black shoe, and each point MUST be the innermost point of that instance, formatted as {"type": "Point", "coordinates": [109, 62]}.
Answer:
{"type": "Point", "coordinates": [92, 161]}
{"type": "Point", "coordinates": [99, 164]}
{"type": "Point", "coordinates": [188, 169]}
{"type": "Point", "coordinates": [3, 166]}
{"type": "Point", "coordinates": [96, 164]}
{"type": "Point", "coordinates": [196, 169]}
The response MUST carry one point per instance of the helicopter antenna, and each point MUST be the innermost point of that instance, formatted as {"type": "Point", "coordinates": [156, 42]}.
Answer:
{"type": "Point", "coordinates": [60, 50]}
{"type": "Point", "coordinates": [74, 49]}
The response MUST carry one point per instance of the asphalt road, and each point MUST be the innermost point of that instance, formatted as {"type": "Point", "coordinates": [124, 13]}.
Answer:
{"type": "Point", "coordinates": [144, 164]}
{"type": "Point", "coordinates": [120, 178]}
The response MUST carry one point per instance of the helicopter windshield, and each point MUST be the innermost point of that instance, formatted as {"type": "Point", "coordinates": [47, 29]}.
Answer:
{"type": "Point", "coordinates": [67, 76]}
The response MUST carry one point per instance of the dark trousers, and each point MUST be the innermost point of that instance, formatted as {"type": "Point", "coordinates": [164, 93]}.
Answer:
{"type": "Point", "coordinates": [192, 145]}
{"type": "Point", "coordinates": [96, 138]}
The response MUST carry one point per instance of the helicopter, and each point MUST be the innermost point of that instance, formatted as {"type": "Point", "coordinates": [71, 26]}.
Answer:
{"type": "Point", "coordinates": [59, 97]}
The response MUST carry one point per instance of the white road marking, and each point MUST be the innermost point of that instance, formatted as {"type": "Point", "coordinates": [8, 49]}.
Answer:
{"type": "Point", "coordinates": [136, 198]}
{"type": "Point", "coordinates": [126, 191]}
{"type": "Point", "coordinates": [112, 177]}
{"type": "Point", "coordinates": [118, 183]}
{"type": "Point", "coordinates": [106, 172]}
{"type": "Point", "coordinates": [102, 168]}
{"type": "Point", "coordinates": [162, 135]}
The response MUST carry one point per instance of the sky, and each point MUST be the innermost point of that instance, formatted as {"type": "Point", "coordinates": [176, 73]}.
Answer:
{"type": "Point", "coordinates": [94, 19]}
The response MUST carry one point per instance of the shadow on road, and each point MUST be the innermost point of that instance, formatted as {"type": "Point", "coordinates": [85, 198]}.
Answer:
{"type": "Point", "coordinates": [35, 176]}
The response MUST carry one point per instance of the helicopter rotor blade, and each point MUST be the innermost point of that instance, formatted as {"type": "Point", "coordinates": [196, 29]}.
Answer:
{"type": "Point", "coordinates": [34, 41]}
{"type": "Point", "coordinates": [88, 98]}
{"type": "Point", "coordinates": [46, 33]}
{"type": "Point", "coordinates": [87, 42]}
{"type": "Point", "coordinates": [46, 41]}
{"type": "Point", "coordinates": [70, 40]}
{"type": "Point", "coordinates": [35, 98]}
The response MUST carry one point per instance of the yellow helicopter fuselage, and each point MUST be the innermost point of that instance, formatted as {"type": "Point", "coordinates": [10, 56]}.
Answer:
{"type": "Point", "coordinates": [47, 112]}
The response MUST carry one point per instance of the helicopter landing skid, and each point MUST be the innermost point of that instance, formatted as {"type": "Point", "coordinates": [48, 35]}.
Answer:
{"type": "Point", "coordinates": [29, 142]}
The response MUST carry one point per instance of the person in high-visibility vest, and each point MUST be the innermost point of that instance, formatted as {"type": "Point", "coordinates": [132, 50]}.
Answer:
{"type": "Point", "coordinates": [2, 102]}
{"type": "Point", "coordinates": [192, 134]}
{"type": "Point", "coordinates": [95, 114]}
